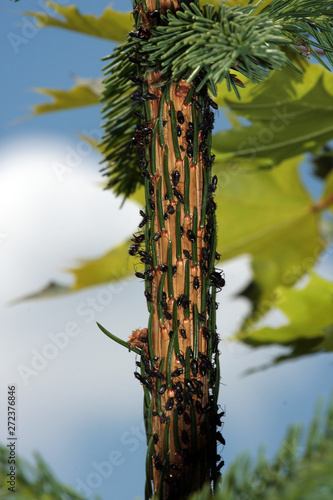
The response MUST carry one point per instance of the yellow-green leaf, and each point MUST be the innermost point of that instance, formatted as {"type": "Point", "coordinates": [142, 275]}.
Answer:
{"type": "Point", "coordinates": [291, 114]}
{"type": "Point", "coordinates": [309, 314]}
{"type": "Point", "coordinates": [267, 214]}
{"type": "Point", "coordinates": [111, 24]}
{"type": "Point", "coordinates": [83, 94]}
{"type": "Point", "coordinates": [113, 266]}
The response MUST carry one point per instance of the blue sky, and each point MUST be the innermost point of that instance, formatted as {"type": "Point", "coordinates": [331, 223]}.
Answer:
{"type": "Point", "coordinates": [84, 407]}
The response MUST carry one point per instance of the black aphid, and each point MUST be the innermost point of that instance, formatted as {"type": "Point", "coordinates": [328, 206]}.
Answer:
{"type": "Point", "coordinates": [205, 253]}
{"type": "Point", "coordinates": [155, 438]}
{"type": "Point", "coordinates": [189, 136]}
{"type": "Point", "coordinates": [175, 177]}
{"type": "Point", "coordinates": [199, 408]}
{"type": "Point", "coordinates": [187, 254]}
{"type": "Point", "coordinates": [191, 236]}
{"type": "Point", "coordinates": [190, 152]}
{"type": "Point", "coordinates": [196, 283]}
{"type": "Point", "coordinates": [188, 398]}
{"type": "Point", "coordinates": [181, 359]}
{"type": "Point", "coordinates": [157, 236]}
{"type": "Point", "coordinates": [179, 131]}
{"type": "Point", "coordinates": [180, 409]}
{"type": "Point", "coordinates": [162, 389]}
{"type": "Point", "coordinates": [168, 315]}
{"type": "Point", "coordinates": [194, 367]}
{"type": "Point", "coordinates": [187, 418]}
{"type": "Point", "coordinates": [169, 404]}
{"type": "Point", "coordinates": [178, 195]}
{"type": "Point", "coordinates": [183, 333]}
{"type": "Point", "coordinates": [149, 97]}
{"type": "Point", "coordinates": [220, 438]}
{"type": "Point", "coordinates": [140, 275]}
{"type": "Point", "coordinates": [217, 279]}
{"type": "Point", "coordinates": [180, 117]}
{"type": "Point", "coordinates": [185, 437]}
{"type": "Point", "coordinates": [177, 372]}
{"type": "Point", "coordinates": [203, 266]}
{"type": "Point", "coordinates": [171, 209]}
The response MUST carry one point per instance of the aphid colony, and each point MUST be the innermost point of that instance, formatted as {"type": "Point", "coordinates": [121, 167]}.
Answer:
{"type": "Point", "coordinates": [179, 362]}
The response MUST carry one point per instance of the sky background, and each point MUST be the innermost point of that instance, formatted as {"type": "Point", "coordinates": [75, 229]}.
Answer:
{"type": "Point", "coordinates": [78, 403]}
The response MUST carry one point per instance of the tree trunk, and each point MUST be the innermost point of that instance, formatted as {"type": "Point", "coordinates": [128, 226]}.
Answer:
{"type": "Point", "coordinates": [180, 367]}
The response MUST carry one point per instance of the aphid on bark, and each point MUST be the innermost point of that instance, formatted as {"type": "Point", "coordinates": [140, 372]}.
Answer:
{"type": "Point", "coordinates": [189, 136]}
{"type": "Point", "coordinates": [159, 375]}
{"type": "Point", "coordinates": [180, 409]}
{"type": "Point", "coordinates": [190, 386]}
{"type": "Point", "coordinates": [179, 131]}
{"type": "Point", "coordinates": [163, 419]}
{"type": "Point", "coordinates": [205, 333]}
{"type": "Point", "coordinates": [145, 219]}
{"type": "Point", "coordinates": [147, 261]}
{"type": "Point", "coordinates": [220, 438]}
{"type": "Point", "coordinates": [218, 280]}
{"type": "Point", "coordinates": [187, 254]}
{"type": "Point", "coordinates": [178, 195]}
{"type": "Point", "coordinates": [194, 367]}
{"type": "Point", "coordinates": [188, 398]}
{"type": "Point", "coordinates": [177, 372]}
{"type": "Point", "coordinates": [179, 397]}
{"type": "Point", "coordinates": [162, 389]}
{"type": "Point", "coordinates": [155, 14]}
{"type": "Point", "coordinates": [175, 177]}
{"type": "Point", "coordinates": [133, 249]}
{"type": "Point", "coordinates": [155, 438]}
{"type": "Point", "coordinates": [183, 333]}
{"type": "Point", "coordinates": [199, 408]}
{"type": "Point", "coordinates": [157, 236]}
{"type": "Point", "coordinates": [185, 437]}
{"type": "Point", "coordinates": [163, 268]}
{"type": "Point", "coordinates": [191, 236]}
{"type": "Point", "coordinates": [169, 404]}
{"type": "Point", "coordinates": [158, 464]}
{"type": "Point", "coordinates": [187, 418]}
{"type": "Point", "coordinates": [201, 317]}
{"type": "Point", "coordinates": [148, 296]}
{"type": "Point", "coordinates": [180, 117]}
{"type": "Point", "coordinates": [181, 359]}
{"type": "Point", "coordinates": [190, 152]}
{"type": "Point", "coordinates": [203, 267]}
{"type": "Point", "coordinates": [196, 283]}
{"type": "Point", "coordinates": [171, 209]}
{"type": "Point", "coordinates": [168, 315]}
{"type": "Point", "coordinates": [205, 253]}
{"type": "Point", "coordinates": [149, 97]}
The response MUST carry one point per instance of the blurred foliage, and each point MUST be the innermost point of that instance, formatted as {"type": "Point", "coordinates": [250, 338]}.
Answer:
{"type": "Point", "coordinates": [263, 211]}
{"type": "Point", "coordinates": [84, 93]}
{"type": "Point", "coordinates": [111, 24]}
{"type": "Point", "coordinates": [301, 470]}
{"type": "Point", "coordinates": [308, 321]}
{"type": "Point", "coordinates": [290, 114]}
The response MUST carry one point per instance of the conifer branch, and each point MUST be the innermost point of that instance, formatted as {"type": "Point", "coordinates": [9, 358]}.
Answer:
{"type": "Point", "coordinates": [205, 45]}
